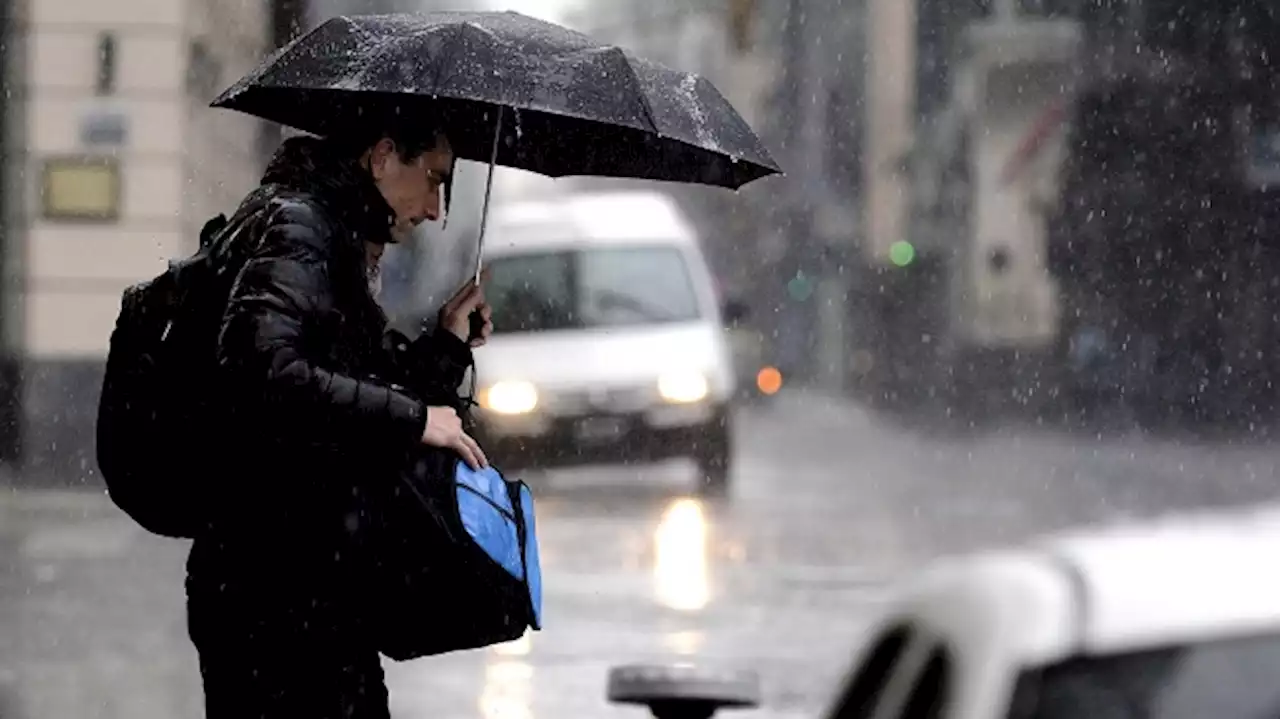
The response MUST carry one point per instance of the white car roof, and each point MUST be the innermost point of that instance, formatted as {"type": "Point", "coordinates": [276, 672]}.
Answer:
{"type": "Point", "coordinates": [630, 218]}
{"type": "Point", "coordinates": [1110, 590]}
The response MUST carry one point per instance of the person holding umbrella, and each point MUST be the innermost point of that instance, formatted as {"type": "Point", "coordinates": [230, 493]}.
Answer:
{"type": "Point", "coordinates": [275, 589]}
{"type": "Point", "coordinates": [277, 596]}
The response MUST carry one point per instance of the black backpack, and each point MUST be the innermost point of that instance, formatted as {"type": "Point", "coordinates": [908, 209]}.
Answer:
{"type": "Point", "coordinates": [157, 402]}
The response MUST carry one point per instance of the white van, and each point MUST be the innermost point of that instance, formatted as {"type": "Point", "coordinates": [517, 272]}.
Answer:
{"type": "Point", "coordinates": [608, 344]}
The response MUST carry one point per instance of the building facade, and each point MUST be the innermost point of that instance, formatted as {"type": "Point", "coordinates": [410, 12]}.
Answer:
{"type": "Point", "coordinates": [114, 161]}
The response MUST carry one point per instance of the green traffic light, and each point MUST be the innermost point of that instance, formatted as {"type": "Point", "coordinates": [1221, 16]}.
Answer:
{"type": "Point", "coordinates": [800, 287]}
{"type": "Point", "coordinates": [902, 253]}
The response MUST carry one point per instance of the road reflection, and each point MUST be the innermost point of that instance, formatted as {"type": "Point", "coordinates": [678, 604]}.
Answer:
{"type": "Point", "coordinates": [686, 643]}
{"type": "Point", "coordinates": [680, 577]}
{"type": "Point", "coordinates": [508, 681]}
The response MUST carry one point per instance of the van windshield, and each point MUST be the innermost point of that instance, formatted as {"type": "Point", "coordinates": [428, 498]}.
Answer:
{"type": "Point", "coordinates": [1231, 679]}
{"type": "Point", "coordinates": [590, 288]}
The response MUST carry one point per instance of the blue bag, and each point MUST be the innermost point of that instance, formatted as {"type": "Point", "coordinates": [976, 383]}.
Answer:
{"type": "Point", "coordinates": [458, 564]}
{"type": "Point", "coordinates": [498, 517]}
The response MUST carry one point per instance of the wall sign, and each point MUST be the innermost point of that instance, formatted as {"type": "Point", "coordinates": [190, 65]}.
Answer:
{"type": "Point", "coordinates": [104, 128]}
{"type": "Point", "coordinates": [80, 189]}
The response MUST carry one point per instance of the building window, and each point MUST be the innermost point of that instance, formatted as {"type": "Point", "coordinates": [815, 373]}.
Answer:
{"type": "Point", "coordinates": [1052, 9]}
{"type": "Point", "coordinates": [940, 26]}
{"type": "Point", "coordinates": [105, 80]}
{"type": "Point", "coordinates": [204, 72]}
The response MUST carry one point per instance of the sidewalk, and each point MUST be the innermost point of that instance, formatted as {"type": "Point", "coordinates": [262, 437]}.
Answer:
{"type": "Point", "coordinates": [92, 622]}
{"type": "Point", "coordinates": [815, 404]}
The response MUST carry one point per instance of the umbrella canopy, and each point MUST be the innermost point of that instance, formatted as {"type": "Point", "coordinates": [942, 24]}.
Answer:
{"type": "Point", "coordinates": [576, 107]}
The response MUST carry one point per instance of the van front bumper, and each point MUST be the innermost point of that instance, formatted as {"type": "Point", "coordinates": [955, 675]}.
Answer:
{"type": "Point", "coordinates": [654, 434]}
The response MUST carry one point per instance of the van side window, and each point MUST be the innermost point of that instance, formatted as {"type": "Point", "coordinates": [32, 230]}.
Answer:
{"type": "Point", "coordinates": [929, 695]}
{"type": "Point", "coordinates": [858, 701]}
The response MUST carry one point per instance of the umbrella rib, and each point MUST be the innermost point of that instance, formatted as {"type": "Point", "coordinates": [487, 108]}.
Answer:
{"type": "Point", "coordinates": [644, 99]}
{"type": "Point", "coordinates": [276, 57]}
{"type": "Point", "coordinates": [456, 39]}
{"type": "Point", "coordinates": [435, 81]}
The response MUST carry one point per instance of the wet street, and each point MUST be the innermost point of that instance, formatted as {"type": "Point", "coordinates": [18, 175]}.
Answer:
{"type": "Point", "coordinates": [828, 503]}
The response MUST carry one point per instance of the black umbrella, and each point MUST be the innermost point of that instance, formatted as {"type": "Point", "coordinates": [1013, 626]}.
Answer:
{"type": "Point", "coordinates": [575, 106]}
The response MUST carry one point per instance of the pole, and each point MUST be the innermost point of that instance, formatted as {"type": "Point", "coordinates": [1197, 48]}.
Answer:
{"type": "Point", "coordinates": [820, 30]}
{"type": "Point", "coordinates": [794, 331]}
{"type": "Point", "coordinates": [889, 113]}
{"type": "Point", "coordinates": [287, 18]}
{"type": "Point", "coordinates": [890, 106]}
{"type": "Point", "coordinates": [12, 289]}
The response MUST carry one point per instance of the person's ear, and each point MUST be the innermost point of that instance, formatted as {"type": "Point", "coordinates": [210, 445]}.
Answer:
{"type": "Point", "coordinates": [380, 158]}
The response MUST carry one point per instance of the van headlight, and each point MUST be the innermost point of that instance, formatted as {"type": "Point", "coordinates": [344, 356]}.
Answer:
{"type": "Point", "coordinates": [510, 397]}
{"type": "Point", "coordinates": [683, 387]}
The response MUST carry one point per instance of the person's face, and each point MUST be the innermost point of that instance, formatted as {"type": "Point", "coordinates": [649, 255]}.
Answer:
{"type": "Point", "coordinates": [373, 266]}
{"type": "Point", "coordinates": [412, 188]}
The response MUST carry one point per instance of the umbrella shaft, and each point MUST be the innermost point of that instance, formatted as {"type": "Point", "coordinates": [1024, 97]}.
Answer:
{"type": "Point", "coordinates": [488, 190]}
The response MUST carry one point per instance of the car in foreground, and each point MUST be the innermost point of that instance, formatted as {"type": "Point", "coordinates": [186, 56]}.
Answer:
{"type": "Point", "coordinates": [1175, 619]}
{"type": "Point", "coordinates": [609, 344]}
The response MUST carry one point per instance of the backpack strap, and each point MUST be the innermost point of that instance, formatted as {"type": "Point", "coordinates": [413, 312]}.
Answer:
{"type": "Point", "coordinates": [211, 229]}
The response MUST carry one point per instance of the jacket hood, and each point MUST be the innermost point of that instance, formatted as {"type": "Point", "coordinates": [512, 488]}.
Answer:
{"type": "Point", "coordinates": [318, 167]}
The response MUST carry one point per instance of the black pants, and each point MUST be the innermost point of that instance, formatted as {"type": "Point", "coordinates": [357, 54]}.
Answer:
{"type": "Point", "coordinates": [257, 681]}
{"type": "Point", "coordinates": [277, 650]}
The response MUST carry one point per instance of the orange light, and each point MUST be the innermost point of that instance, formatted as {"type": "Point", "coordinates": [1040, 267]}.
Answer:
{"type": "Point", "coordinates": [769, 380]}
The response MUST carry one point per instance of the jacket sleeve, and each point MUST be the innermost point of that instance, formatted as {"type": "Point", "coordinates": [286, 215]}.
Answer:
{"type": "Point", "coordinates": [448, 356]}
{"type": "Point", "coordinates": [267, 348]}
{"type": "Point", "coordinates": [433, 365]}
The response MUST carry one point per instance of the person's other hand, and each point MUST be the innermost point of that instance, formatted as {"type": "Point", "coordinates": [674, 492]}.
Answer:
{"type": "Point", "coordinates": [455, 316]}
{"type": "Point", "coordinates": [444, 430]}
{"type": "Point", "coordinates": [486, 313]}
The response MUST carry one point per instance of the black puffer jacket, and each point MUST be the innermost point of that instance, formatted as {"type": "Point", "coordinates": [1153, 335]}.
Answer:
{"type": "Point", "coordinates": [312, 434]}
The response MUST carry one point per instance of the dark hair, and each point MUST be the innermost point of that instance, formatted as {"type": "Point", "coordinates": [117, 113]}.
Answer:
{"type": "Point", "coordinates": [411, 136]}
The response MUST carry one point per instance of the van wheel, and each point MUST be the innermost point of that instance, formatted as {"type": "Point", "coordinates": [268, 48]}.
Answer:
{"type": "Point", "coordinates": [714, 455]}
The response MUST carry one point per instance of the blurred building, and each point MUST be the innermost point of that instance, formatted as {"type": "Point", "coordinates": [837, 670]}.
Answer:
{"type": "Point", "coordinates": [114, 161]}
{"type": "Point", "coordinates": [699, 37]}
{"type": "Point", "coordinates": [795, 70]}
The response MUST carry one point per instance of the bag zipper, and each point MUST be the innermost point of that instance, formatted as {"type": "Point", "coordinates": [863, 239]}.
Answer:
{"type": "Point", "coordinates": [522, 535]}
{"type": "Point", "coordinates": [490, 502]}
